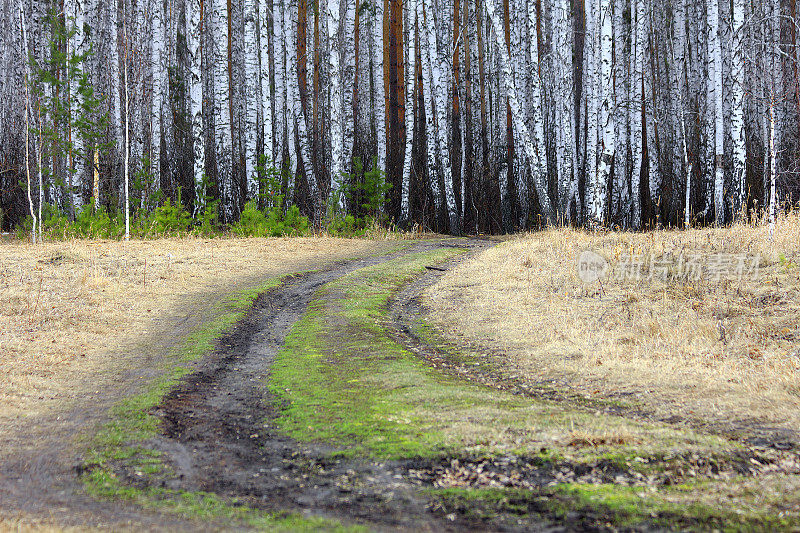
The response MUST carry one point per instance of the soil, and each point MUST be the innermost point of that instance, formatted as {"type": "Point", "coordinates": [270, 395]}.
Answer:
{"type": "Point", "coordinates": [215, 438]}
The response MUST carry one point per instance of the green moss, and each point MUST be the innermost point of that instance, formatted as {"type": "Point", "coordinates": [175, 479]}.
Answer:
{"type": "Point", "coordinates": [343, 380]}
{"type": "Point", "coordinates": [103, 484]}
{"type": "Point", "coordinates": [119, 443]}
{"type": "Point", "coordinates": [620, 505]}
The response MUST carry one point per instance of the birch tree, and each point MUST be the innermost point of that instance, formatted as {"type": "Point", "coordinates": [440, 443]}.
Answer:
{"type": "Point", "coordinates": [715, 74]}
{"type": "Point", "coordinates": [410, 75]}
{"type": "Point", "coordinates": [616, 107]}
{"type": "Point", "coordinates": [158, 65]}
{"type": "Point", "coordinates": [737, 114]}
{"type": "Point", "coordinates": [252, 99]}
{"type": "Point", "coordinates": [606, 115]}
{"type": "Point", "coordinates": [193, 37]}
{"type": "Point", "coordinates": [336, 101]}
{"type": "Point", "coordinates": [27, 81]}
{"type": "Point", "coordinates": [516, 112]}
{"type": "Point", "coordinates": [636, 108]}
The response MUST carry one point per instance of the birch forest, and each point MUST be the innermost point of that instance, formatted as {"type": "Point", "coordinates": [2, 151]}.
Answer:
{"type": "Point", "coordinates": [484, 116]}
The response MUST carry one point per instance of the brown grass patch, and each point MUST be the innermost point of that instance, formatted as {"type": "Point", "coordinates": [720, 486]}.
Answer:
{"type": "Point", "coordinates": [581, 439]}
{"type": "Point", "coordinates": [67, 308]}
{"type": "Point", "coordinates": [24, 524]}
{"type": "Point", "coordinates": [717, 349]}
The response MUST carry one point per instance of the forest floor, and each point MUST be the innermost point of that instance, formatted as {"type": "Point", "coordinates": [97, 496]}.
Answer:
{"type": "Point", "coordinates": [374, 393]}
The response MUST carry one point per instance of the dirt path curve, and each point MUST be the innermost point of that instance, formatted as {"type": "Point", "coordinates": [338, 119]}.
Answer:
{"type": "Point", "coordinates": [215, 438]}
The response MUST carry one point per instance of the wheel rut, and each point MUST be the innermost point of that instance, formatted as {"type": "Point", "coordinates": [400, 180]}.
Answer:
{"type": "Point", "coordinates": [216, 435]}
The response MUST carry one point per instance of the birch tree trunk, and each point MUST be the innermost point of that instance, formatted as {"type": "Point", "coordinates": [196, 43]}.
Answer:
{"type": "Point", "coordinates": [193, 36]}
{"type": "Point", "coordinates": [620, 200]}
{"type": "Point", "coordinates": [264, 17]}
{"type": "Point", "coordinates": [539, 167]}
{"type": "Point", "coordinates": [252, 100]}
{"type": "Point", "coordinates": [566, 163]}
{"type": "Point", "coordinates": [222, 105]}
{"type": "Point", "coordinates": [606, 116]}
{"type": "Point", "coordinates": [593, 88]}
{"type": "Point", "coordinates": [279, 75]}
{"type": "Point", "coordinates": [348, 82]}
{"type": "Point", "coordinates": [75, 47]}
{"type": "Point", "coordinates": [432, 149]}
{"type": "Point", "coordinates": [637, 104]}
{"type": "Point", "coordinates": [336, 102]}
{"type": "Point", "coordinates": [160, 88]}
{"type": "Point", "coordinates": [25, 54]}
{"type": "Point", "coordinates": [737, 111]}
{"type": "Point", "coordinates": [773, 198]}
{"type": "Point", "coordinates": [290, 72]}
{"type": "Point", "coordinates": [438, 89]}
{"type": "Point", "coordinates": [378, 80]}
{"type": "Point", "coordinates": [411, 75]}
{"type": "Point", "coordinates": [715, 46]}
{"type": "Point", "coordinates": [516, 113]}
{"type": "Point", "coordinates": [126, 147]}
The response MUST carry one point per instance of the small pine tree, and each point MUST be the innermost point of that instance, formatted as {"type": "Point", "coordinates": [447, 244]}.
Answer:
{"type": "Point", "coordinates": [52, 79]}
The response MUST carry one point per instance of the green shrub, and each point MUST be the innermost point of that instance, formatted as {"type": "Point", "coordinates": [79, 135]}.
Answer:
{"type": "Point", "coordinates": [346, 226]}
{"type": "Point", "coordinates": [254, 222]}
{"type": "Point", "coordinates": [97, 224]}
{"type": "Point", "coordinates": [167, 220]}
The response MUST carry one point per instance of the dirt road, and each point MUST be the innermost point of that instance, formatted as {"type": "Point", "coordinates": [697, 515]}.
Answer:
{"type": "Point", "coordinates": [329, 406]}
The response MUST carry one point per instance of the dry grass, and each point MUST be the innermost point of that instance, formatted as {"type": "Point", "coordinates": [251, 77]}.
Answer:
{"type": "Point", "coordinates": [723, 349]}
{"type": "Point", "coordinates": [66, 309]}
{"type": "Point", "coordinates": [23, 524]}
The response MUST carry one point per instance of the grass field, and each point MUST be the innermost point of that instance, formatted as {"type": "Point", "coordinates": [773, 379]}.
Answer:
{"type": "Point", "coordinates": [68, 308]}
{"type": "Point", "coordinates": [714, 347]}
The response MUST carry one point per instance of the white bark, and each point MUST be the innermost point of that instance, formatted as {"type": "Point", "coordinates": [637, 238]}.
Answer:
{"type": "Point", "coordinates": [279, 54]}
{"type": "Point", "coordinates": [432, 148]}
{"type": "Point", "coordinates": [410, 74]}
{"type": "Point", "coordinates": [773, 200]}
{"type": "Point", "coordinates": [680, 71]}
{"type": "Point", "coordinates": [158, 62]}
{"type": "Point", "coordinates": [715, 48]}
{"type": "Point", "coordinates": [264, 7]}
{"type": "Point", "coordinates": [193, 34]}
{"type": "Point", "coordinates": [222, 102]}
{"type": "Point", "coordinates": [76, 9]}
{"type": "Point", "coordinates": [337, 115]}
{"type": "Point", "coordinates": [737, 111]}
{"type": "Point", "coordinates": [566, 156]}
{"type": "Point", "coordinates": [348, 81]}
{"type": "Point", "coordinates": [592, 88]}
{"type": "Point", "coordinates": [539, 167]}
{"type": "Point", "coordinates": [606, 115]}
{"type": "Point", "coordinates": [290, 83]}
{"type": "Point", "coordinates": [126, 146]}
{"type": "Point", "coordinates": [619, 202]}
{"type": "Point", "coordinates": [252, 100]}
{"type": "Point", "coordinates": [637, 96]}
{"type": "Point", "coordinates": [518, 119]}
{"type": "Point", "coordinates": [378, 80]}
{"type": "Point", "coordinates": [439, 77]}
{"type": "Point", "coordinates": [25, 53]}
